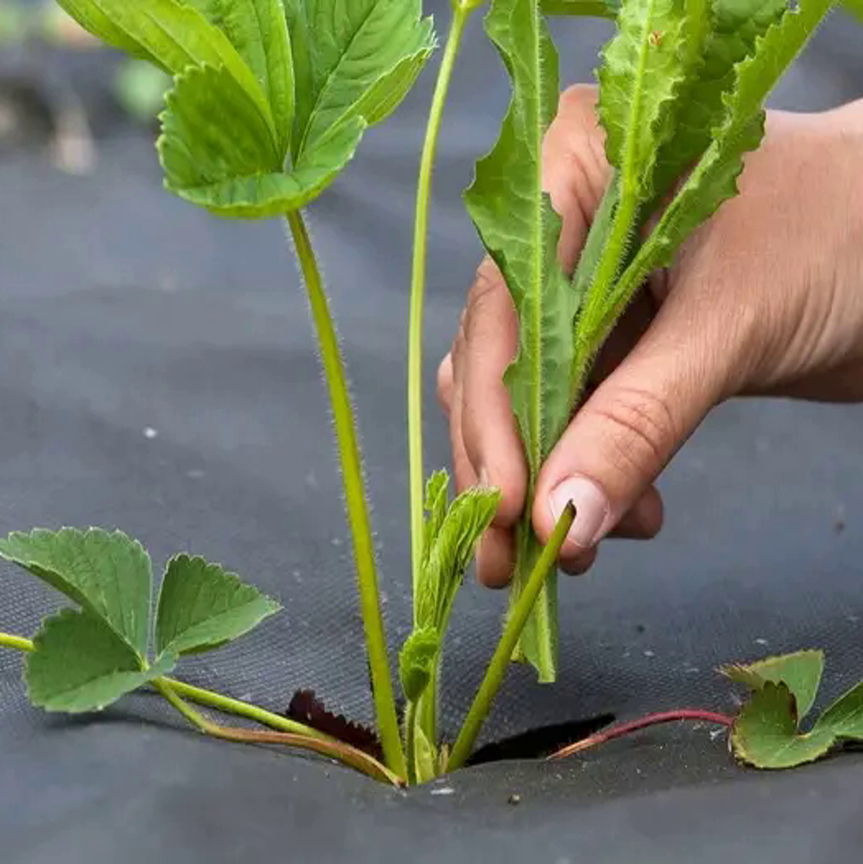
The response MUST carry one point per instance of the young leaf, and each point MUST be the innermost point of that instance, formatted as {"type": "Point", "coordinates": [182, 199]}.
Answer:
{"type": "Point", "coordinates": [799, 672]}
{"type": "Point", "coordinates": [307, 709]}
{"type": "Point", "coordinates": [353, 59]}
{"type": "Point", "coordinates": [258, 29]}
{"type": "Point", "coordinates": [765, 733]}
{"type": "Point", "coordinates": [520, 231]}
{"type": "Point", "coordinates": [450, 553]}
{"type": "Point", "coordinates": [436, 501]}
{"type": "Point", "coordinates": [81, 664]}
{"type": "Point", "coordinates": [173, 34]}
{"type": "Point", "coordinates": [417, 662]}
{"type": "Point", "coordinates": [108, 574]}
{"type": "Point", "coordinates": [202, 607]}
{"type": "Point", "coordinates": [217, 154]}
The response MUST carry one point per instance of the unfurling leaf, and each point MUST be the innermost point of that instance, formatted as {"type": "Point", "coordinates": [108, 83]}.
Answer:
{"type": "Point", "coordinates": [521, 231]}
{"type": "Point", "coordinates": [799, 672]}
{"type": "Point", "coordinates": [308, 709]}
{"type": "Point", "coordinates": [453, 539]}
{"type": "Point", "coordinates": [417, 662]}
{"type": "Point", "coordinates": [201, 607]}
{"type": "Point", "coordinates": [108, 574]}
{"type": "Point", "coordinates": [82, 664]}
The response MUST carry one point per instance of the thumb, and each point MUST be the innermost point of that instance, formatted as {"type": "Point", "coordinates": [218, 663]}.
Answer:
{"type": "Point", "coordinates": [626, 433]}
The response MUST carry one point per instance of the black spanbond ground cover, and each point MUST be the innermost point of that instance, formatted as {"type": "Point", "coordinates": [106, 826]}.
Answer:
{"type": "Point", "coordinates": [157, 373]}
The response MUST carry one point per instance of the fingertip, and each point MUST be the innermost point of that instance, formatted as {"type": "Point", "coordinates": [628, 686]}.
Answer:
{"type": "Point", "coordinates": [495, 558]}
{"type": "Point", "coordinates": [580, 563]}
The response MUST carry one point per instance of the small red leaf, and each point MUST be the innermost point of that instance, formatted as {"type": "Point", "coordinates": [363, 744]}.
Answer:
{"type": "Point", "coordinates": [306, 708]}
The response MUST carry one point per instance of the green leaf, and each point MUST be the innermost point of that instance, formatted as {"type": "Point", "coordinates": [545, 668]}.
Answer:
{"type": "Point", "coordinates": [800, 672]}
{"type": "Point", "coordinates": [855, 7]}
{"type": "Point", "coordinates": [658, 45]}
{"type": "Point", "coordinates": [521, 231]}
{"type": "Point", "coordinates": [450, 554]}
{"type": "Point", "coordinates": [417, 661]}
{"type": "Point", "coordinates": [584, 8]}
{"type": "Point", "coordinates": [714, 179]}
{"type": "Point", "coordinates": [201, 607]}
{"type": "Point", "coordinates": [353, 58]}
{"type": "Point", "coordinates": [216, 152]}
{"type": "Point", "coordinates": [258, 29]}
{"type": "Point", "coordinates": [765, 733]}
{"type": "Point", "coordinates": [174, 35]}
{"type": "Point", "coordinates": [436, 505]}
{"type": "Point", "coordinates": [845, 716]}
{"type": "Point", "coordinates": [108, 574]}
{"type": "Point", "coordinates": [81, 664]}
{"type": "Point", "coordinates": [699, 107]}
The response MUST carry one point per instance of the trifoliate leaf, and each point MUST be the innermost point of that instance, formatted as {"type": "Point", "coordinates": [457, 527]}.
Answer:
{"type": "Point", "coordinates": [108, 574]}
{"type": "Point", "coordinates": [417, 662]}
{"type": "Point", "coordinates": [258, 29]}
{"type": "Point", "coordinates": [201, 606]}
{"type": "Point", "coordinates": [765, 734]}
{"type": "Point", "coordinates": [521, 232]}
{"type": "Point", "coordinates": [800, 672]}
{"type": "Point", "coordinates": [81, 664]}
{"type": "Point", "coordinates": [353, 58]}
{"type": "Point", "coordinates": [173, 34]}
{"type": "Point", "coordinates": [583, 8]}
{"type": "Point", "coordinates": [217, 154]}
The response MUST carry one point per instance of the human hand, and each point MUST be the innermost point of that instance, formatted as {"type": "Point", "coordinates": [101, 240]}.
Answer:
{"type": "Point", "coordinates": [765, 299]}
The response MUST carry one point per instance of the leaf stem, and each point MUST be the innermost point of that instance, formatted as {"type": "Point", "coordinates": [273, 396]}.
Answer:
{"type": "Point", "coordinates": [500, 661]}
{"type": "Point", "coordinates": [241, 709]}
{"type": "Point", "coordinates": [461, 13]}
{"type": "Point", "coordinates": [643, 723]}
{"type": "Point", "coordinates": [355, 496]}
{"type": "Point", "coordinates": [462, 10]}
{"type": "Point", "coordinates": [16, 643]}
{"type": "Point", "coordinates": [332, 749]}
{"type": "Point", "coordinates": [411, 719]}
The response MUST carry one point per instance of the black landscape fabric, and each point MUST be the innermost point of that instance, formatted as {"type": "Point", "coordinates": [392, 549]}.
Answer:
{"type": "Point", "coordinates": [157, 373]}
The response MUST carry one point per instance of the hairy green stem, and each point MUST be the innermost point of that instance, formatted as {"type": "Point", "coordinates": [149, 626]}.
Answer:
{"type": "Point", "coordinates": [355, 496]}
{"type": "Point", "coordinates": [241, 709]}
{"type": "Point", "coordinates": [461, 13]}
{"type": "Point", "coordinates": [411, 719]}
{"type": "Point", "coordinates": [500, 661]}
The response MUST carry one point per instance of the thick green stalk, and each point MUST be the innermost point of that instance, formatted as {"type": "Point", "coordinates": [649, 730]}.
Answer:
{"type": "Point", "coordinates": [411, 741]}
{"type": "Point", "coordinates": [461, 13]}
{"type": "Point", "coordinates": [500, 661]}
{"type": "Point", "coordinates": [355, 496]}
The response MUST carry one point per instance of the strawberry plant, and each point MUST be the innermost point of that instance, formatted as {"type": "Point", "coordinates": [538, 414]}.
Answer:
{"type": "Point", "coordinates": [269, 102]}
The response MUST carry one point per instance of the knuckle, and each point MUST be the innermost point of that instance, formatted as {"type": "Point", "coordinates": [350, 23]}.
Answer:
{"type": "Point", "coordinates": [488, 283]}
{"type": "Point", "coordinates": [641, 430]}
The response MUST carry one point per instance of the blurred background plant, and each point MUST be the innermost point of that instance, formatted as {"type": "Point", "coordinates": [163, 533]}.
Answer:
{"type": "Point", "coordinates": [58, 85]}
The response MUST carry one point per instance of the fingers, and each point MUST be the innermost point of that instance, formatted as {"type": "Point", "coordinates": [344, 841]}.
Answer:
{"type": "Point", "coordinates": [489, 429]}
{"type": "Point", "coordinates": [630, 427]}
